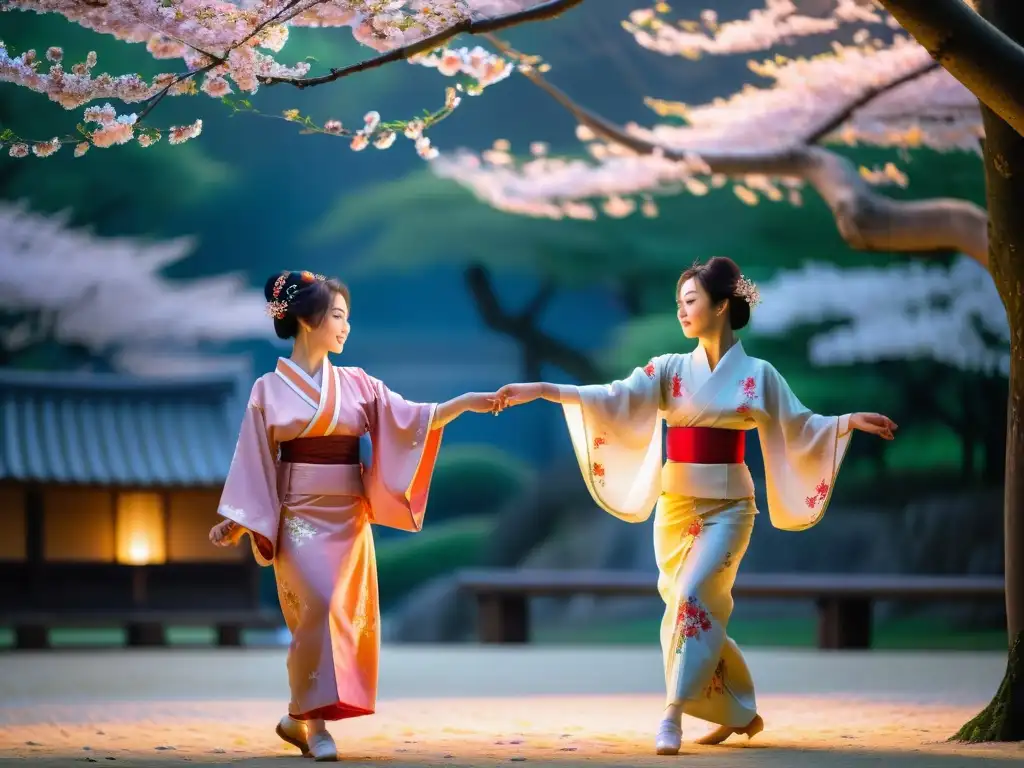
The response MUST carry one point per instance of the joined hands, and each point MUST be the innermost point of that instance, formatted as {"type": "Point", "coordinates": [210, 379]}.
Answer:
{"type": "Point", "coordinates": [515, 394]}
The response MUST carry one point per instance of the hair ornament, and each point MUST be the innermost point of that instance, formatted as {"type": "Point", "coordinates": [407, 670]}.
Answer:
{"type": "Point", "coordinates": [277, 309]}
{"type": "Point", "coordinates": [279, 283]}
{"type": "Point", "coordinates": [747, 290]}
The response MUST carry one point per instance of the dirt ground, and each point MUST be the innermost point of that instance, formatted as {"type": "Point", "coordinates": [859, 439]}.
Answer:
{"type": "Point", "coordinates": [469, 706]}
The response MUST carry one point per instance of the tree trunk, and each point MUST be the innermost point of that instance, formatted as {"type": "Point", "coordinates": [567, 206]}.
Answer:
{"type": "Point", "coordinates": [1003, 719]}
{"type": "Point", "coordinates": [994, 428]}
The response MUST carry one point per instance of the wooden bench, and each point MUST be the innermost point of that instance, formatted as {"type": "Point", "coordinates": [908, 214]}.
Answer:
{"type": "Point", "coordinates": [144, 628]}
{"type": "Point", "coordinates": [844, 601]}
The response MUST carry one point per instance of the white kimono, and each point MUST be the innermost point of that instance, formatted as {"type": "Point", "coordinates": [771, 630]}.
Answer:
{"type": "Point", "coordinates": [705, 511]}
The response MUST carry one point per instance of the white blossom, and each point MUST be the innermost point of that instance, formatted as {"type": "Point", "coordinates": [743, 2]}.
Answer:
{"type": "Point", "coordinates": [917, 310]}
{"type": "Point", "coordinates": [108, 295]}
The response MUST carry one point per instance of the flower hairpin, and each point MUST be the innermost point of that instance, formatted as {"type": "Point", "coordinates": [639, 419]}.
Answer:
{"type": "Point", "coordinates": [746, 290]}
{"type": "Point", "coordinates": [279, 283]}
{"type": "Point", "coordinates": [277, 308]}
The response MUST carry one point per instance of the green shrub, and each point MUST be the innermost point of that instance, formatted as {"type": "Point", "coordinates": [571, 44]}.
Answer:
{"type": "Point", "coordinates": [410, 561]}
{"type": "Point", "coordinates": [472, 480]}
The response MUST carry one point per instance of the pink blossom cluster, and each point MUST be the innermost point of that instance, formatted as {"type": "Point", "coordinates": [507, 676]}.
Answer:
{"type": "Point", "coordinates": [228, 46]}
{"type": "Point", "coordinates": [802, 99]}
{"type": "Point", "coordinates": [556, 187]}
{"type": "Point", "coordinates": [484, 67]}
{"type": "Point", "coordinates": [780, 21]}
{"type": "Point", "coordinates": [806, 91]}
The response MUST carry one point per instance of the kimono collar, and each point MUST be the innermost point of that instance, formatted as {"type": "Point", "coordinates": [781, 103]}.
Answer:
{"type": "Point", "coordinates": [324, 397]}
{"type": "Point", "coordinates": [305, 386]}
{"type": "Point", "coordinates": [703, 368]}
{"type": "Point", "coordinates": [705, 384]}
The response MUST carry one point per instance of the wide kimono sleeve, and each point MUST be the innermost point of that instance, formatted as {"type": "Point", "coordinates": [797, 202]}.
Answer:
{"type": "Point", "coordinates": [250, 495]}
{"type": "Point", "coordinates": [616, 433]}
{"type": "Point", "coordinates": [405, 448]}
{"type": "Point", "coordinates": [802, 454]}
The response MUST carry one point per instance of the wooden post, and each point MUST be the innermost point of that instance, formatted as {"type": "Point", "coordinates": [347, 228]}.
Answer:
{"type": "Point", "coordinates": [844, 622]}
{"type": "Point", "coordinates": [35, 547]}
{"type": "Point", "coordinates": [31, 637]}
{"type": "Point", "coordinates": [503, 618]}
{"type": "Point", "coordinates": [146, 634]}
{"type": "Point", "coordinates": [140, 577]}
{"type": "Point", "coordinates": [229, 635]}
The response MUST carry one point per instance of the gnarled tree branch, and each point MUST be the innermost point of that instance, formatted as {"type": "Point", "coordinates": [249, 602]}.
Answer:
{"type": "Point", "coordinates": [867, 220]}
{"type": "Point", "coordinates": [973, 50]}
{"type": "Point", "coordinates": [539, 302]}
{"type": "Point", "coordinates": [524, 329]}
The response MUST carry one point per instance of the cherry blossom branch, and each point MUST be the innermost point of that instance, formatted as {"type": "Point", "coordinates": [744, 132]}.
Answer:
{"type": "Point", "coordinates": [216, 61]}
{"type": "Point", "coordinates": [381, 134]}
{"type": "Point", "coordinates": [220, 41]}
{"type": "Point", "coordinates": [865, 219]}
{"type": "Point", "coordinates": [834, 121]}
{"type": "Point", "coordinates": [971, 49]}
{"type": "Point", "coordinates": [470, 26]}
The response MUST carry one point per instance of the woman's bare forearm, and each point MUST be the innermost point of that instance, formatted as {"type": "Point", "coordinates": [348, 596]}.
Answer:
{"type": "Point", "coordinates": [471, 402]}
{"type": "Point", "coordinates": [559, 393]}
{"type": "Point", "coordinates": [449, 411]}
{"type": "Point", "coordinates": [542, 390]}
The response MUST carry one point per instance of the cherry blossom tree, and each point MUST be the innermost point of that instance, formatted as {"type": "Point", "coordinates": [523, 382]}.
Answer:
{"type": "Point", "coordinates": [105, 300]}
{"type": "Point", "coordinates": [764, 142]}
{"type": "Point", "coordinates": [869, 84]}
{"type": "Point", "coordinates": [229, 47]}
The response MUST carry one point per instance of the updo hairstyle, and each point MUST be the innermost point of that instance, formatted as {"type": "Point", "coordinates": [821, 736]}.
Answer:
{"type": "Point", "coordinates": [721, 278]}
{"type": "Point", "coordinates": [293, 296]}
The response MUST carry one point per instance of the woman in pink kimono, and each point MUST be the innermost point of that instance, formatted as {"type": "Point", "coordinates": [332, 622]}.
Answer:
{"type": "Point", "coordinates": [296, 487]}
{"type": "Point", "coordinates": [704, 493]}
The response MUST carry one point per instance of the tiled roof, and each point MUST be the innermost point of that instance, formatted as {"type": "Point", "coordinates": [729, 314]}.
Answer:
{"type": "Point", "coordinates": [116, 430]}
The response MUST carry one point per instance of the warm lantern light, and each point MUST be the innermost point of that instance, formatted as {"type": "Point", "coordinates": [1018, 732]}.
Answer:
{"type": "Point", "coordinates": [141, 531]}
{"type": "Point", "coordinates": [138, 551]}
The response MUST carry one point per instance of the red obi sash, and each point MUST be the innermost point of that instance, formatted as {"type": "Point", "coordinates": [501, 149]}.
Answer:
{"type": "Point", "coordinates": [706, 445]}
{"type": "Point", "coordinates": [334, 449]}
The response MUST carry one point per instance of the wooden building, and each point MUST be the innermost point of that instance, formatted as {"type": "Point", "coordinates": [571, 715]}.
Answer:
{"type": "Point", "coordinates": [108, 488]}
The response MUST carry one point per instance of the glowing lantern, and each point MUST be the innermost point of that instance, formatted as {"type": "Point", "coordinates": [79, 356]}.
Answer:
{"type": "Point", "coordinates": [141, 531]}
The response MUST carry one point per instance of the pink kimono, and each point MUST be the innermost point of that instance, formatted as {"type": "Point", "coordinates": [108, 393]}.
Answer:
{"type": "Point", "coordinates": [296, 485]}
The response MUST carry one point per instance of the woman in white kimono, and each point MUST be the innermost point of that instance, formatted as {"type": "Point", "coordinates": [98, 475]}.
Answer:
{"type": "Point", "coordinates": [296, 486]}
{"type": "Point", "coordinates": [704, 492]}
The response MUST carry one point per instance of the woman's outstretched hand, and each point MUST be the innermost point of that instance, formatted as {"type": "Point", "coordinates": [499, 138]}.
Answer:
{"type": "Point", "coordinates": [481, 402]}
{"type": "Point", "coordinates": [875, 424]}
{"type": "Point", "coordinates": [517, 394]}
{"type": "Point", "coordinates": [226, 534]}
